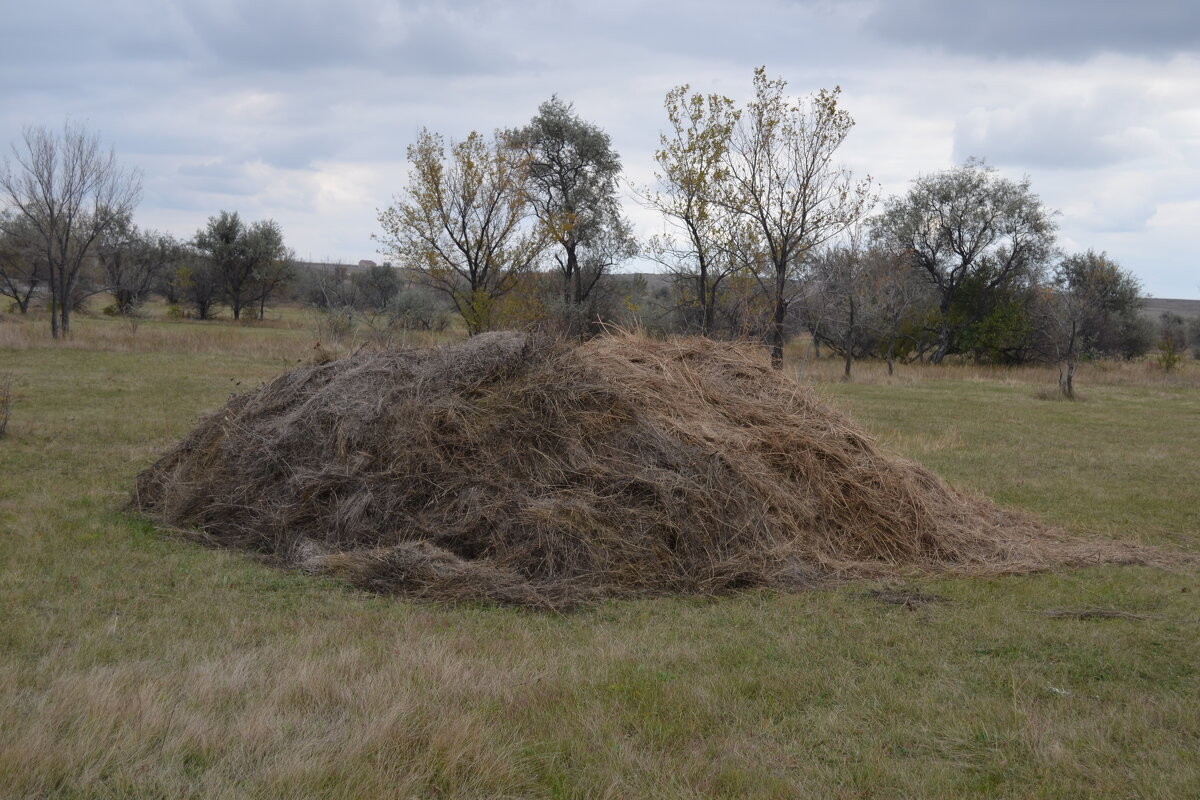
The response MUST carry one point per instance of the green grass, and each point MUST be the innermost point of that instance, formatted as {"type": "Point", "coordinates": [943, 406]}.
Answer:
{"type": "Point", "coordinates": [133, 664]}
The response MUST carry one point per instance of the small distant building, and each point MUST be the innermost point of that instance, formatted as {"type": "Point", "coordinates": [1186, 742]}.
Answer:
{"type": "Point", "coordinates": [366, 263]}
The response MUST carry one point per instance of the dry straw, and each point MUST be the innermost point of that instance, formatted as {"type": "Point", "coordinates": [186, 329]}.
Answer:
{"type": "Point", "coordinates": [524, 470]}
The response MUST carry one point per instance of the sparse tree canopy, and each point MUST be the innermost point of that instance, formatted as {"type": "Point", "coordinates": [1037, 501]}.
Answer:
{"type": "Point", "coordinates": [572, 174]}
{"type": "Point", "coordinates": [1083, 308]}
{"type": "Point", "coordinates": [22, 261]}
{"type": "Point", "coordinates": [133, 262]}
{"type": "Point", "coordinates": [783, 180]}
{"type": "Point", "coordinates": [969, 227]}
{"type": "Point", "coordinates": [692, 166]}
{"type": "Point", "coordinates": [460, 223]}
{"type": "Point", "coordinates": [851, 287]}
{"type": "Point", "coordinates": [70, 191]}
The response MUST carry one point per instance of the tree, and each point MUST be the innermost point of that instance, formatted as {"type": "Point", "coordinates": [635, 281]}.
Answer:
{"type": "Point", "coordinates": [71, 192]}
{"type": "Point", "coordinates": [572, 174]}
{"type": "Point", "coordinates": [692, 160]}
{"type": "Point", "coordinates": [377, 287]}
{"type": "Point", "coordinates": [969, 227]}
{"type": "Point", "coordinates": [1082, 309]}
{"type": "Point", "coordinates": [133, 262]}
{"type": "Point", "coordinates": [902, 297]}
{"type": "Point", "coordinates": [246, 257]}
{"type": "Point", "coordinates": [782, 178]}
{"type": "Point", "coordinates": [460, 223]}
{"type": "Point", "coordinates": [271, 276]}
{"type": "Point", "coordinates": [840, 290]}
{"type": "Point", "coordinates": [164, 255]}
{"type": "Point", "coordinates": [22, 268]}
{"type": "Point", "coordinates": [861, 298]}
{"type": "Point", "coordinates": [198, 282]}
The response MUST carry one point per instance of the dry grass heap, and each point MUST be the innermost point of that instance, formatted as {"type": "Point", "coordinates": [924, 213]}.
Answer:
{"type": "Point", "coordinates": [521, 470]}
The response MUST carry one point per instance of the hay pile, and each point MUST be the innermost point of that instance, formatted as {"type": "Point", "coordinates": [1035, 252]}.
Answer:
{"type": "Point", "coordinates": [523, 470]}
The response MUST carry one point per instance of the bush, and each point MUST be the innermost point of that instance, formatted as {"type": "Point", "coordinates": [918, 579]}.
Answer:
{"type": "Point", "coordinates": [1172, 341]}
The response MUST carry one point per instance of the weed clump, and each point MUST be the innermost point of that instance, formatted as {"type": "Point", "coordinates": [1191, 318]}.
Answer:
{"type": "Point", "coordinates": [525, 470]}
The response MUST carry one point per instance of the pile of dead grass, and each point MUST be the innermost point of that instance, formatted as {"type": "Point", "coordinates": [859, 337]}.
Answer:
{"type": "Point", "coordinates": [529, 471]}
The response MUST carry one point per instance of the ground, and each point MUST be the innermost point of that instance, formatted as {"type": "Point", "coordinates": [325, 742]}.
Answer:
{"type": "Point", "coordinates": [136, 664]}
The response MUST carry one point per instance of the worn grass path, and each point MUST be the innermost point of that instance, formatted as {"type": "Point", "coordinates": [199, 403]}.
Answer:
{"type": "Point", "coordinates": [136, 665]}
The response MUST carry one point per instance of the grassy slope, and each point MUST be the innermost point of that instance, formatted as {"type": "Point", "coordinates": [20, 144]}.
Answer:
{"type": "Point", "coordinates": [133, 665]}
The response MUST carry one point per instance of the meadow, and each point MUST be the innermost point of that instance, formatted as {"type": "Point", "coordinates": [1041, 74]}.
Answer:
{"type": "Point", "coordinates": [134, 663]}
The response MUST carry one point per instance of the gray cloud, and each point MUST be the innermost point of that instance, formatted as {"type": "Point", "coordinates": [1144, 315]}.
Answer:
{"type": "Point", "coordinates": [1056, 29]}
{"type": "Point", "coordinates": [1058, 133]}
{"type": "Point", "coordinates": [301, 111]}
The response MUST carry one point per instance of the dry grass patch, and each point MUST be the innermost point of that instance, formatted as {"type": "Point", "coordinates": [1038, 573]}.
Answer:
{"type": "Point", "coordinates": [530, 471]}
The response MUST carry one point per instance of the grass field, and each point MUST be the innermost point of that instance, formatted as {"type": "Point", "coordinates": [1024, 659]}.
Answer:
{"type": "Point", "coordinates": [137, 665]}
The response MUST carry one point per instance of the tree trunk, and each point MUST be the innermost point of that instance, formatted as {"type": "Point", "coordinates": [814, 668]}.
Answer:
{"type": "Point", "coordinates": [53, 304]}
{"type": "Point", "coordinates": [943, 345]}
{"type": "Point", "coordinates": [64, 310]}
{"type": "Point", "coordinates": [891, 356]}
{"type": "Point", "coordinates": [777, 321]}
{"type": "Point", "coordinates": [708, 300]}
{"type": "Point", "coordinates": [850, 338]}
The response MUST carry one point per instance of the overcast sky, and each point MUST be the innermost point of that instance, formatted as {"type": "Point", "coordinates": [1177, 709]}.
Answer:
{"type": "Point", "coordinates": [301, 111]}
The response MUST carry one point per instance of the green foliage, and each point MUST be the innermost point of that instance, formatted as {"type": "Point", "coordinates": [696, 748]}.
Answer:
{"type": "Point", "coordinates": [1003, 336]}
{"type": "Point", "coordinates": [976, 236]}
{"type": "Point", "coordinates": [1136, 337]}
{"type": "Point", "coordinates": [460, 224]}
{"type": "Point", "coordinates": [572, 175]}
{"type": "Point", "coordinates": [250, 261]}
{"type": "Point", "coordinates": [990, 318]}
{"type": "Point", "coordinates": [1172, 341]}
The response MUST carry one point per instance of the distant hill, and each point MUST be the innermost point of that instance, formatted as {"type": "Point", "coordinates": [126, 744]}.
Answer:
{"type": "Point", "coordinates": [1157, 306]}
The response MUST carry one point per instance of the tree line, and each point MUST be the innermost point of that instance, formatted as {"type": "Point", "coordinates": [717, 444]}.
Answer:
{"type": "Point", "coordinates": [67, 233]}
{"type": "Point", "coordinates": [765, 234]}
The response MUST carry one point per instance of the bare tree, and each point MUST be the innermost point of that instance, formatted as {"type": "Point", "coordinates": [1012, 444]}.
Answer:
{"type": "Point", "coordinates": [842, 277]}
{"type": "Point", "coordinates": [901, 294]}
{"type": "Point", "coordinates": [71, 191]}
{"type": "Point", "coordinates": [782, 178]}
{"type": "Point", "coordinates": [461, 222]}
